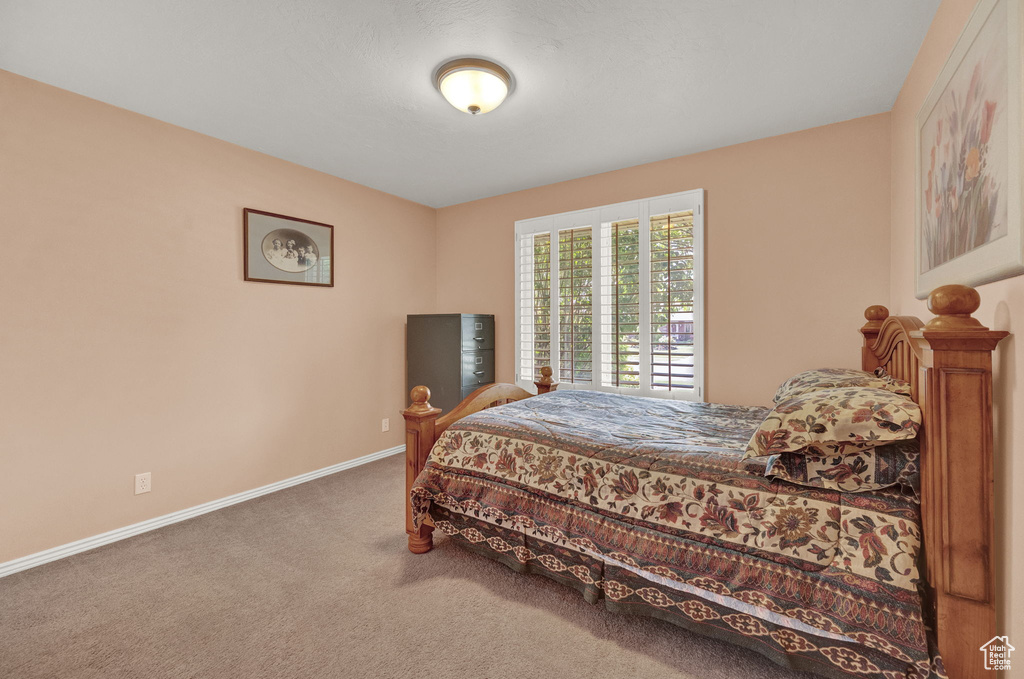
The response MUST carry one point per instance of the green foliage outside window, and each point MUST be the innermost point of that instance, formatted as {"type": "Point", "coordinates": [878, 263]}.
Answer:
{"type": "Point", "coordinates": [671, 298]}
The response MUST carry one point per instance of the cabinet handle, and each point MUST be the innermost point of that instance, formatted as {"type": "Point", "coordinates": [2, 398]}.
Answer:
{"type": "Point", "coordinates": [479, 339]}
{"type": "Point", "coordinates": [478, 372]}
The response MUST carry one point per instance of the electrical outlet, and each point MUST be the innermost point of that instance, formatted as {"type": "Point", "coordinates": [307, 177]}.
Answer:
{"type": "Point", "coordinates": [385, 424]}
{"type": "Point", "coordinates": [143, 483]}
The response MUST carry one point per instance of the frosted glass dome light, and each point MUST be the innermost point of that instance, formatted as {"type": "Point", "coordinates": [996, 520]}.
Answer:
{"type": "Point", "coordinates": [473, 85]}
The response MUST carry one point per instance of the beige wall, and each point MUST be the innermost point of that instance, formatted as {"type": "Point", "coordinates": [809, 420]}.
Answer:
{"type": "Point", "coordinates": [790, 221]}
{"type": "Point", "coordinates": [1002, 304]}
{"type": "Point", "coordinates": [130, 343]}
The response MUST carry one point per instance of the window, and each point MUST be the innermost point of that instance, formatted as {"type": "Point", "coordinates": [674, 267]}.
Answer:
{"type": "Point", "coordinates": [612, 298]}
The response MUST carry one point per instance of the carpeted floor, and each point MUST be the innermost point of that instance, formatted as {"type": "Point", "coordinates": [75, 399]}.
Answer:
{"type": "Point", "coordinates": [316, 581]}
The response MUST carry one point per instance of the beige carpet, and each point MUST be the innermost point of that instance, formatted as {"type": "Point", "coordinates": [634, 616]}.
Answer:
{"type": "Point", "coordinates": [315, 581]}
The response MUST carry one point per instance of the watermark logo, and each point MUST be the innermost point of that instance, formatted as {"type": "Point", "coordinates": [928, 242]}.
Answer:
{"type": "Point", "coordinates": [997, 653]}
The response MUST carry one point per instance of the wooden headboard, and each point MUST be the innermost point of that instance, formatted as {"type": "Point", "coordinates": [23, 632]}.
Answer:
{"type": "Point", "coordinates": [948, 362]}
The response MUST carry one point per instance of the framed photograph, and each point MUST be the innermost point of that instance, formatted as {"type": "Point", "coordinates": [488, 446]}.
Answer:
{"type": "Point", "coordinates": [281, 249]}
{"type": "Point", "coordinates": [969, 227]}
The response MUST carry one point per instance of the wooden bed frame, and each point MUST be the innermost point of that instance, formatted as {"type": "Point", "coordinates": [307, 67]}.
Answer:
{"type": "Point", "coordinates": [948, 363]}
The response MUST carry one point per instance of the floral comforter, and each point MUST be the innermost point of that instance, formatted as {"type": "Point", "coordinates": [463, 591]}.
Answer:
{"type": "Point", "coordinates": [649, 501]}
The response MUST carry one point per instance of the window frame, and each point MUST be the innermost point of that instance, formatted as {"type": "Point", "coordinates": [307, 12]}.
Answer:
{"type": "Point", "coordinates": [596, 218]}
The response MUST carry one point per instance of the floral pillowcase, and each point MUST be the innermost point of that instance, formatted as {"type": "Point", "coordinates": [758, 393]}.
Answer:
{"type": "Point", "coordinates": [834, 378]}
{"type": "Point", "coordinates": [835, 422]}
{"type": "Point", "coordinates": [894, 464]}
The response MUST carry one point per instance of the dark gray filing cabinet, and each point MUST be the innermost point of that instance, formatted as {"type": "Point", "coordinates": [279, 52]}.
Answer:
{"type": "Point", "coordinates": [451, 354]}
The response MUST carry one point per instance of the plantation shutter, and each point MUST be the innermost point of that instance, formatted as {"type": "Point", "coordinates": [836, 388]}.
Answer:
{"type": "Point", "coordinates": [611, 298]}
{"type": "Point", "coordinates": [575, 319]}
{"type": "Point", "coordinates": [675, 311]}
{"type": "Point", "coordinates": [555, 303]}
{"type": "Point", "coordinates": [535, 305]}
{"type": "Point", "coordinates": [671, 338]}
{"type": "Point", "coordinates": [620, 297]}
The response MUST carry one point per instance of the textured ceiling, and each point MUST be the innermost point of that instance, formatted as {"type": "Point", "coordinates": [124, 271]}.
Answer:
{"type": "Point", "coordinates": [344, 86]}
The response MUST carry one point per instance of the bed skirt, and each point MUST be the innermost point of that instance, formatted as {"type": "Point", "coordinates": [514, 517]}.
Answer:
{"type": "Point", "coordinates": [620, 590]}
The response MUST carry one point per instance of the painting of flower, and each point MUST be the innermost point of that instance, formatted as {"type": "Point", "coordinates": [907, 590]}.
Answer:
{"type": "Point", "coordinates": [964, 139]}
{"type": "Point", "coordinates": [968, 193]}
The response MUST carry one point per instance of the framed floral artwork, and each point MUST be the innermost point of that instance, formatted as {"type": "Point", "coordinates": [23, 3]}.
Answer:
{"type": "Point", "coordinates": [969, 227]}
{"type": "Point", "coordinates": [281, 249]}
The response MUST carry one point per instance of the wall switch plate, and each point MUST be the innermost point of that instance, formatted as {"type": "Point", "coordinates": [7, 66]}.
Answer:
{"type": "Point", "coordinates": [385, 424]}
{"type": "Point", "coordinates": [143, 483]}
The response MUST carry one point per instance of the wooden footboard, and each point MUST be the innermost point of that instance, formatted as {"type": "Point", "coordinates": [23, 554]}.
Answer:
{"type": "Point", "coordinates": [424, 425]}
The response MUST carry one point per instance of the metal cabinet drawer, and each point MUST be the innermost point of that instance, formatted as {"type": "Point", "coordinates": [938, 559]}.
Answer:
{"type": "Point", "coordinates": [477, 333]}
{"type": "Point", "coordinates": [477, 368]}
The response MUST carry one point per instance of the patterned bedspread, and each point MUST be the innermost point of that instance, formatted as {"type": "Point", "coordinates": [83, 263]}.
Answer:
{"type": "Point", "coordinates": [648, 502]}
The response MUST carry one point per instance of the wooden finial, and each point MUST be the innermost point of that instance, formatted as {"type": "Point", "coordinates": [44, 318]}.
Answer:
{"type": "Point", "coordinates": [953, 306]}
{"type": "Point", "coordinates": [545, 385]}
{"type": "Point", "coordinates": [420, 400]}
{"type": "Point", "coordinates": [876, 312]}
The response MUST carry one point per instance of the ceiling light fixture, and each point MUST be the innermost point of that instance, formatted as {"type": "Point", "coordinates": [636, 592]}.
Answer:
{"type": "Point", "coordinates": [473, 85]}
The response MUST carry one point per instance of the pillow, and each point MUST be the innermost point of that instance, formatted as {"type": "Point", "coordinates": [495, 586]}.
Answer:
{"type": "Point", "coordinates": [833, 378]}
{"type": "Point", "coordinates": [835, 421]}
{"type": "Point", "coordinates": [893, 464]}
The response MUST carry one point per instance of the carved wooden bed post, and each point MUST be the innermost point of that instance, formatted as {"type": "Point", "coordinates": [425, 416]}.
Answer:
{"type": "Point", "coordinates": [874, 315]}
{"type": "Point", "coordinates": [958, 471]}
{"type": "Point", "coordinates": [948, 362]}
{"type": "Point", "coordinates": [419, 439]}
{"type": "Point", "coordinates": [423, 427]}
{"type": "Point", "coordinates": [545, 384]}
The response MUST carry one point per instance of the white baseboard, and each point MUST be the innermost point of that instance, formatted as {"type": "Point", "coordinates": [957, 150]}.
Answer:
{"type": "Point", "coordinates": [48, 555]}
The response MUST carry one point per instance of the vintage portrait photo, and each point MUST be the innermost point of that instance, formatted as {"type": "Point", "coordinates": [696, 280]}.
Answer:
{"type": "Point", "coordinates": [290, 250]}
{"type": "Point", "coordinates": [282, 249]}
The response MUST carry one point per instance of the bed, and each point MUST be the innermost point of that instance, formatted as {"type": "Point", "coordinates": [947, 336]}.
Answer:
{"type": "Point", "coordinates": [648, 507]}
